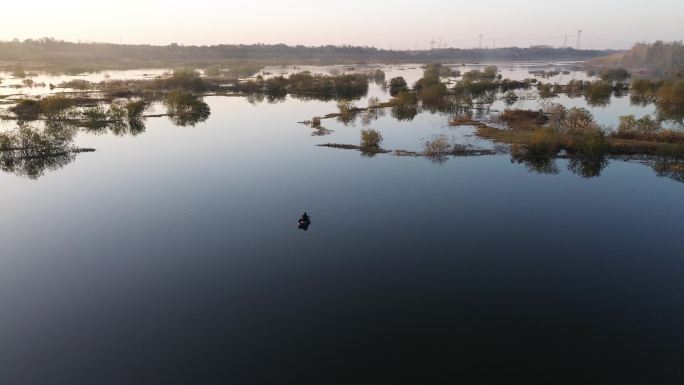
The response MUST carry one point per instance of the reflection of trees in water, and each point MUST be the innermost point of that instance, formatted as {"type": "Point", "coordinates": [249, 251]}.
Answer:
{"type": "Point", "coordinates": [404, 112]}
{"type": "Point", "coordinates": [192, 117]}
{"type": "Point", "coordinates": [186, 109]}
{"type": "Point", "coordinates": [669, 168]}
{"type": "Point", "coordinates": [348, 119]}
{"type": "Point", "coordinates": [29, 151]}
{"type": "Point", "coordinates": [584, 166]}
{"type": "Point", "coordinates": [673, 112]}
{"type": "Point", "coordinates": [438, 158]}
{"type": "Point", "coordinates": [641, 100]}
{"type": "Point", "coordinates": [670, 112]}
{"type": "Point", "coordinates": [132, 126]}
{"type": "Point", "coordinates": [540, 165]}
{"type": "Point", "coordinates": [598, 100]}
{"type": "Point", "coordinates": [588, 166]}
{"type": "Point", "coordinates": [371, 115]}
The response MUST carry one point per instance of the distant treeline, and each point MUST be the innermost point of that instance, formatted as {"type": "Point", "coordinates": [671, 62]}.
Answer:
{"type": "Point", "coordinates": [660, 56]}
{"type": "Point", "coordinates": [49, 53]}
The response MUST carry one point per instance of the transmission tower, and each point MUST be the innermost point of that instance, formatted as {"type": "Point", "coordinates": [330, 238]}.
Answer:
{"type": "Point", "coordinates": [432, 44]}
{"type": "Point", "coordinates": [480, 41]}
{"type": "Point", "coordinates": [579, 39]}
{"type": "Point", "coordinates": [565, 42]}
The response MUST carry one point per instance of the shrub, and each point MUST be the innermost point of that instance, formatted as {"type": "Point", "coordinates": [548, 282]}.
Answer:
{"type": "Point", "coordinates": [77, 84]}
{"type": "Point", "coordinates": [276, 86]}
{"type": "Point", "coordinates": [590, 144]}
{"type": "Point", "coordinates": [671, 93]}
{"type": "Point", "coordinates": [378, 76]}
{"type": "Point", "coordinates": [615, 74]}
{"type": "Point", "coordinates": [346, 107]}
{"type": "Point", "coordinates": [316, 122]}
{"type": "Point", "coordinates": [405, 106]}
{"type": "Point", "coordinates": [556, 113]}
{"type": "Point", "coordinates": [95, 114]}
{"type": "Point", "coordinates": [438, 146]}
{"type": "Point", "coordinates": [599, 93]}
{"type": "Point", "coordinates": [135, 108]}
{"type": "Point", "coordinates": [546, 91]}
{"type": "Point", "coordinates": [579, 119]}
{"type": "Point", "coordinates": [544, 142]}
{"type": "Point", "coordinates": [524, 119]}
{"type": "Point", "coordinates": [371, 139]}
{"type": "Point", "coordinates": [475, 88]}
{"type": "Point", "coordinates": [186, 109]}
{"type": "Point", "coordinates": [350, 86]}
{"type": "Point", "coordinates": [643, 86]}
{"type": "Point", "coordinates": [27, 109]}
{"type": "Point", "coordinates": [184, 80]}
{"type": "Point", "coordinates": [630, 124]}
{"type": "Point", "coordinates": [347, 110]}
{"type": "Point", "coordinates": [676, 151]}
{"type": "Point", "coordinates": [510, 98]}
{"type": "Point", "coordinates": [53, 106]}
{"type": "Point", "coordinates": [432, 94]}
{"type": "Point", "coordinates": [488, 73]}
{"type": "Point", "coordinates": [213, 71]}
{"type": "Point", "coordinates": [509, 85]}
{"type": "Point", "coordinates": [397, 85]}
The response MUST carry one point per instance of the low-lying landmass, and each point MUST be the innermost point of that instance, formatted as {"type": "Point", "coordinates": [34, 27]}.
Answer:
{"type": "Point", "coordinates": [66, 57]}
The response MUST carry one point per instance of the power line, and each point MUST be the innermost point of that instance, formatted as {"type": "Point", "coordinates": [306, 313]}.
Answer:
{"type": "Point", "coordinates": [608, 39]}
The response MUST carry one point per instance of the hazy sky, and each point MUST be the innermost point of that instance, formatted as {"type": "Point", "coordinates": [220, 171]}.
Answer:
{"type": "Point", "coordinates": [383, 23]}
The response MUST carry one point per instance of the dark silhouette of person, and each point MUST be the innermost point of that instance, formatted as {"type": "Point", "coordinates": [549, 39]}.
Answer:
{"type": "Point", "coordinates": [304, 222]}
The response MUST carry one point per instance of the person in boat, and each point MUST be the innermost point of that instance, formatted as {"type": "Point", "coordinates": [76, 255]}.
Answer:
{"type": "Point", "coordinates": [305, 218]}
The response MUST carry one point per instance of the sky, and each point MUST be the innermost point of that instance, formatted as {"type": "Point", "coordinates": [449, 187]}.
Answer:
{"type": "Point", "coordinates": [396, 24]}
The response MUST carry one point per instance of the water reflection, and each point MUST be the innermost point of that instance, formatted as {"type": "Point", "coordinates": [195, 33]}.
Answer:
{"type": "Point", "coordinates": [588, 166]}
{"type": "Point", "coordinates": [669, 168]}
{"type": "Point", "coordinates": [474, 100]}
{"type": "Point", "coordinates": [29, 151]}
{"type": "Point", "coordinates": [540, 165]}
{"type": "Point", "coordinates": [186, 109]}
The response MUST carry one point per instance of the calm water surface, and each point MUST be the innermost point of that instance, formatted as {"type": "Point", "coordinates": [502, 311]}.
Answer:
{"type": "Point", "coordinates": [173, 257]}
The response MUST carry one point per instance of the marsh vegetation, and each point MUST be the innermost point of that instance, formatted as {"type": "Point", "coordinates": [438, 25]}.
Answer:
{"type": "Point", "coordinates": [465, 98]}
